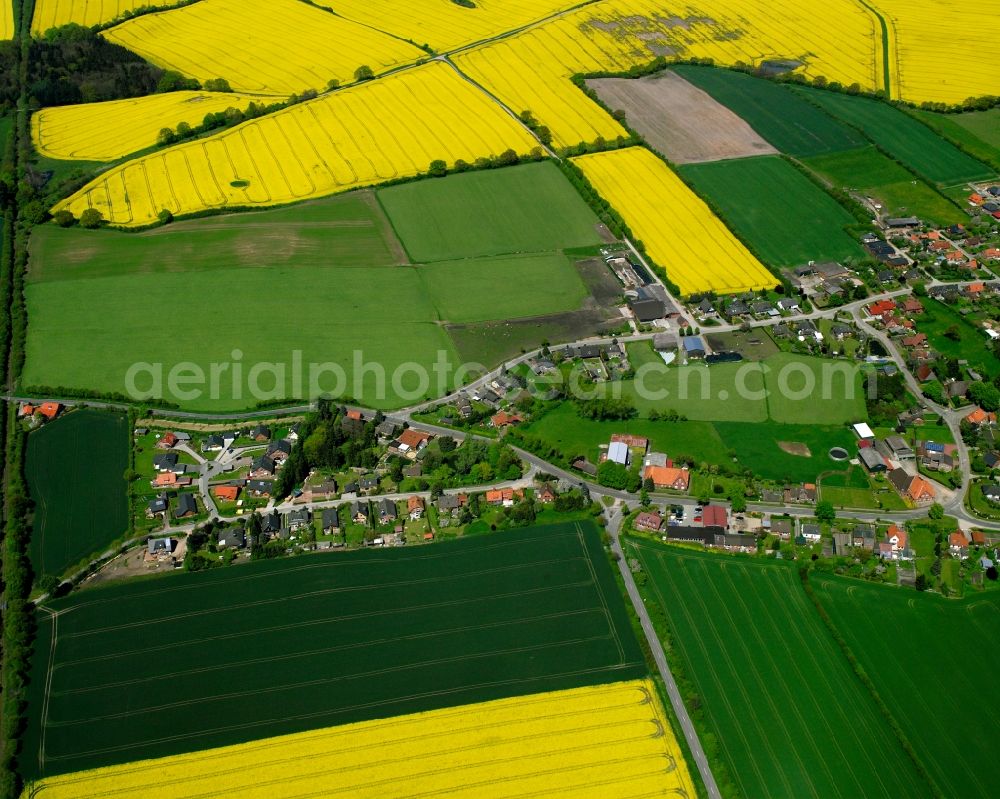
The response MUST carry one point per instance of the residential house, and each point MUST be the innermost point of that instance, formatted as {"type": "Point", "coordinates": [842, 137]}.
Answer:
{"type": "Point", "coordinates": [260, 488]}
{"type": "Point", "coordinates": [165, 462]}
{"type": "Point", "coordinates": [157, 506]}
{"type": "Point", "coordinates": [936, 457]}
{"type": "Point", "coordinates": [360, 512]}
{"type": "Point", "coordinates": [232, 538]}
{"type": "Point", "coordinates": [992, 493]}
{"type": "Point", "coordinates": [585, 466]}
{"type": "Point", "coordinates": [864, 537]}
{"type": "Point", "coordinates": [330, 521]}
{"type": "Point", "coordinates": [415, 507]}
{"type": "Point", "coordinates": [735, 542]}
{"type": "Point", "coordinates": [811, 533]}
{"type": "Point", "coordinates": [665, 477]}
{"type": "Point", "coordinates": [956, 389]}
{"type": "Point", "coordinates": [410, 443]}
{"type": "Point", "coordinates": [789, 305]}
{"type": "Point", "coordinates": [263, 467]}
{"type": "Point", "coordinates": [649, 521]}
{"type": "Point", "coordinates": [167, 441]}
{"type": "Point", "coordinates": [914, 488]}
{"type": "Point", "coordinates": [546, 494]}
{"type": "Point", "coordinates": [261, 433]}
{"type": "Point", "coordinates": [213, 443]}
{"type": "Point", "coordinates": [387, 511]}
{"type": "Point", "coordinates": [979, 417]}
{"type": "Point", "coordinates": [911, 305]}
{"type": "Point", "coordinates": [881, 307]}
{"type": "Point", "coordinates": [368, 485]}
{"type": "Point", "coordinates": [504, 496]}
{"type": "Point", "coordinates": [278, 451]}
{"type": "Point", "coordinates": [782, 527]}
{"type": "Point", "coordinates": [159, 548]}
{"type": "Point", "coordinates": [186, 506]}
{"type": "Point", "coordinates": [227, 493]}
{"type": "Point", "coordinates": [50, 410]}
{"type": "Point", "coordinates": [502, 420]}
{"type": "Point", "coordinates": [386, 430]}
{"type": "Point", "coordinates": [800, 494]}
{"type": "Point", "coordinates": [299, 519]}
{"type": "Point", "coordinates": [270, 523]}
{"type": "Point", "coordinates": [958, 544]}
{"type": "Point", "coordinates": [451, 503]}
{"type": "Point", "coordinates": [170, 480]}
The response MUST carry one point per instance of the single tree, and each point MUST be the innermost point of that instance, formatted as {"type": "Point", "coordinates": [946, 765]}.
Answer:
{"type": "Point", "coordinates": [91, 218]}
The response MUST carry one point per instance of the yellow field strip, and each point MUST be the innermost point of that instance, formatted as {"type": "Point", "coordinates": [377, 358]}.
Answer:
{"type": "Point", "coordinates": [6, 20]}
{"type": "Point", "coordinates": [261, 46]}
{"type": "Point", "coordinates": [54, 13]}
{"type": "Point", "coordinates": [943, 52]}
{"type": "Point", "coordinates": [443, 24]}
{"type": "Point", "coordinates": [601, 742]}
{"type": "Point", "coordinates": [835, 39]}
{"type": "Point", "coordinates": [679, 231]}
{"type": "Point", "coordinates": [356, 137]}
{"type": "Point", "coordinates": [112, 130]}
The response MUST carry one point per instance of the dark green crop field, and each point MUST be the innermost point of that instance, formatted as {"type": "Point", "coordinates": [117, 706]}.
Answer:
{"type": "Point", "coordinates": [76, 474]}
{"type": "Point", "coordinates": [781, 213]}
{"type": "Point", "coordinates": [902, 136]}
{"type": "Point", "coordinates": [933, 662]}
{"type": "Point", "coordinates": [204, 659]}
{"type": "Point", "coordinates": [526, 208]}
{"type": "Point", "coordinates": [790, 123]}
{"type": "Point", "coordinates": [789, 715]}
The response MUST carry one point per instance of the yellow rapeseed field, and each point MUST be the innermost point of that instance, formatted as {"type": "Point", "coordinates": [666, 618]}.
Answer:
{"type": "Point", "coordinates": [680, 232]}
{"type": "Point", "coordinates": [836, 39]}
{"type": "Point", "coordinates": [53, 13]}
{"type": "Point", "coordinates": [6, 21]}
{"type": "Point", "coordinates": [108, 131]}
{"type": "Point", "coordinates": [389, 128]}
{"type": "Point", "coordinates": [261, 46]}
{"type": "Point", "coordinates": [443, 24]}
{"type": "Point", "coordinates": [601, 742]}
{"type": "Point", "coordinates": [942, 50]}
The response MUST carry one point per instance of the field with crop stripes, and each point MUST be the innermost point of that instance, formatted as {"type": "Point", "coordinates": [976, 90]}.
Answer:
{"type": "Point", "coordinates": [529, 208]}
{"type": "Point", "coordinates": [903, 137]}
{"type": "Point", "coordinates": [197, 660]}
{"type": "Point", "coordinates": [786, 217]}
{"type": "Point", "coordinates": [789, 715]}
{"type": "Point", "coordinates": [55, 13]}
{"type": "Point", "coordinates": [680, 232]}
{"type": "Point", "coordinates": [76, 476]}
{"type": "Point", "coordinates": [928, 658]}
{"type": "Point", "coordinates": [247, 42]}
{"type": "Point", "coordinates": [6, 20]}
{"type": "Point", "coordinates": [346, 140]}
{"type": "Point", "coordinates": [112, 130]}
{"type": "Point", "coordinates": [588, 743]}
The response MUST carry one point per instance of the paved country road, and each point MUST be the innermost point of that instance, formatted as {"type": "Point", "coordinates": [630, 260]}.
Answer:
{"type": "Point", "coordinates": [615, 518]}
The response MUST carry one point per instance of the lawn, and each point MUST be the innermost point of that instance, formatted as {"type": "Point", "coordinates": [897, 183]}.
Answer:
{"type": "Point", "coordinates": [505, 287]}
{"type": "Point", "coordinates": [786, 120]}
{"type": "Point", "coordinates": [196, 660]}
{"type": "Point", "coordinates": [930, 659]}
{"type": "Point", "coordinates": [76, 474]}
{"type": "Point", "coordinates": [758, 447]}
{"type": "Point", "coordinates": [973, 345]}
{"type": "Point", "coordinates": [789, 716]}
{"type": "Point", "coordinates": [870, 172]}
{"type": "Point", "coordinates": [349, 230]}
{"type": "Point", "coordinates": [902, 136]}
{"type": "Point", "coordinates": [978, 132]}
{"type": "Point", "coordinates": [527, 208]}
{"type": "Point", "coordinates": [777, 210]}
{"type": "Point", "coordinates": [786, 388]}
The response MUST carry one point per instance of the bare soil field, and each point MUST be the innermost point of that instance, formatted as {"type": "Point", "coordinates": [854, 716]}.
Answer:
{"type": "Point", "coordinates": [679, 120]}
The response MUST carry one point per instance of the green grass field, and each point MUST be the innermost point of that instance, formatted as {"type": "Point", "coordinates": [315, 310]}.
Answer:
{"type": "Point", "coordinates": [757, 446]}
{"type": "Point", "coordinates": [789, 123]}
{"type": "Point", "coordinates": [931, 660]}
{"type": "Point", "coordinates": [905, 138]}
{"type": "Point", "coordinates": [349, 230]}
{"type": "Point", "coordinates": [978, 132]}
{"type": "Point", "coordinates": [505, 287]}
{"type": "Point", "coordinates": [789, 716]}
{"type": "Point", "coordinates": [197, 660]}
{"type": "Point", "coordinates": [780, 212]}
{"type": "Point", "coordinates": [528, 208]}
{"type": "Point", "coordinates": [870, 172]}
{"type": "Point", "coordinates": [323, 282]}
{"type": "Point", "coordinates": [76, 474]}
{"type": "Point", "coordinates": [786, 388]}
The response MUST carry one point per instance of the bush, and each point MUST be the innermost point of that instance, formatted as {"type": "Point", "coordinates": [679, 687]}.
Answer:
{"type": "Point", "coordinates": [64, 218]}
{"type": "Point", "coordinates": [91, 219]}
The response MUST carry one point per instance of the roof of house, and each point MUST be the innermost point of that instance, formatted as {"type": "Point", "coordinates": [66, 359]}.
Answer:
{"type": "Point", "coordinates": [618, 452]}
{"type": "Point", "coordinates": [414, 503]}
{"type": "Point", "coordinates": [714, 516]}
{"type": "Point", "coordinates": [667, 476]}
{"type": "Point", "coordinates": [413, 439]}
{"type": "Point", "coordinates": [186, 505]}
{"type": "Point", "coordinates": [226, 492]}
{"type": "Point", "coordinates": [920, 488]}
{"type": "Point", "coordinates": [693, 344]}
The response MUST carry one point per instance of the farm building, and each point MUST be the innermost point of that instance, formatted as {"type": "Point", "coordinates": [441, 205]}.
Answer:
{"type": "Point", "coordinates": [694, 347]}
{"type": "Point", "coordinates": [871, 459]}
